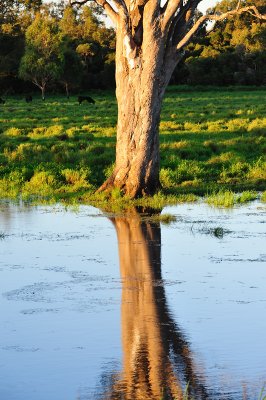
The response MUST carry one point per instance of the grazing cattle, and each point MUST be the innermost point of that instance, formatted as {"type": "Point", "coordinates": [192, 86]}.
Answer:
{"type": "Point", "coordinates": [85, 98]}
{"type": "Point", "coordinates": [28, 99]}
{"type": "Point", "coordinates": [2, 101]}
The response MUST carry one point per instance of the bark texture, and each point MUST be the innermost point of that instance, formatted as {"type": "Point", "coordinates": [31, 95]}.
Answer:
{"type": "Point", "coordinates": [142, 74]}
{"type": "Point", "coordinates": [139, 94]}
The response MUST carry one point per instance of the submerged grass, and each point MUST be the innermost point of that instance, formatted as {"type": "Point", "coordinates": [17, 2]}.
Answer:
{"type": "Point", "coordinates": [2, 235]}
{"type": "Point", "coordinates": [211, 142]}
{"type": "Point", "coordinates": [165, 219]}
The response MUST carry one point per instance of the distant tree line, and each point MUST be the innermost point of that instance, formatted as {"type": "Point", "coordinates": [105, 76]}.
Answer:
{"type": "Point", "coordinates": [63, 48]}
{"type": "Point", "coordinates": [55, 46]}
{"type": "Point", "coordinates": [234, 53]}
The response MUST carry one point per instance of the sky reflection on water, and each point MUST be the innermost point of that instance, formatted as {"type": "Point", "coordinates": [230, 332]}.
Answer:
{"type": "Point", "coordinates": [182, 304]}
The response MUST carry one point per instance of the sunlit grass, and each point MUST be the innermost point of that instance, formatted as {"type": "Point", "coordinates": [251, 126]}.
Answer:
{"type": "Point", "coordinates": [211, 142]}
{"type": "Point", "coordinates": [228, 198]}
{"type": "Point", "coordinates": [165, 219]}
{"type": "Point", "coordinates": [263, 197]}
{"type": "Point", "coordinates": [221, 199]}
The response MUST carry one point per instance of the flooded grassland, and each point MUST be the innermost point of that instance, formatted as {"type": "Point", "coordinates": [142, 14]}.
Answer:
{"type": "Point", "coordinates": [97, 306]}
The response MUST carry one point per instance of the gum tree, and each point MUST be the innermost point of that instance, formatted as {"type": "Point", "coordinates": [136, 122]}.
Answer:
{"type": "Point", "coordinates": [43, 59]}
{"type": "Point", "coordinates": [150, 40]}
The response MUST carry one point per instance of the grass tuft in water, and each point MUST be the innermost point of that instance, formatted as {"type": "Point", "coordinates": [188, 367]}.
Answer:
{"type": "Point", "coordinates": [229, 199]}
{"type": "Point", "coordinates": [263, 197]}
{"type": "Point", "coordinates": [247, 196]}
{"type": "Point", "coordinates": [218, 232]}
{"type": "Point", "coordinates": [221, 199]}
{"type": "Point", "coordinates": [165, 219]}
{"type": "Point", "coordinates": [2, 235]}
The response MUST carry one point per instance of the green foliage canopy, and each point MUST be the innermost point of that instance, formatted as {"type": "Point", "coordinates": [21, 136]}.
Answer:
{"type": "Point", "coordinates": [44, 52]}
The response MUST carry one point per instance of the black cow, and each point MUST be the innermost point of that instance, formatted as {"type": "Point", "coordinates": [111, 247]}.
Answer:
{"type": "Point", "coordinates": [28, 99]}
{"type": "Point", "coordinates": [85, 98]}
{"type": "Point", "coordinates": [2, 101]}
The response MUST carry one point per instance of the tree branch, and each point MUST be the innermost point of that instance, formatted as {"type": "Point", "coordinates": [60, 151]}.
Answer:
{"type": "Point", "coordinates": [179, 24]}
{"type": "Point", "coordinates": [106, 6]}
{"type": "Point", "coordinates": [170, 10]}
{"type": "Point", "coordinates": [109, 10]}
{"type": "Point", "coordinates": [78, 3]}
{"type": "Point", "coordinates": [250, 9]}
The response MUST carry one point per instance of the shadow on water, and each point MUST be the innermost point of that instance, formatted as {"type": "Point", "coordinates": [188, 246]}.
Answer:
{"type": "Point", "coordinates": [157, 360]}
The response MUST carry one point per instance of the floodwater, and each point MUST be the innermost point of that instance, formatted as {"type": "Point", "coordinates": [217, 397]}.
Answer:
{"type": "Point", "coordinates": [118, 307]}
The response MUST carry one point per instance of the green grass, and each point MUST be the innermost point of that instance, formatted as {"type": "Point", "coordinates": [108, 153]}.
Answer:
{"type": "Point", "coordinates": [228, 198]}
{"type": "Point", "coordinates": [165, 219]}
{"type": "Point", "coordinates": [211, 142]}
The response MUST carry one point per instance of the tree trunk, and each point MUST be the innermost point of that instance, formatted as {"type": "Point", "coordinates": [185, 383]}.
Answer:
{"type": "Point", "coordinates": [141, 79]}
{"type": "Point", "coordinates": [43, 92]}
{"type": "Point", "coordinates": [67, 90]}
{"type": "Point", "coordinates": [137, 151]}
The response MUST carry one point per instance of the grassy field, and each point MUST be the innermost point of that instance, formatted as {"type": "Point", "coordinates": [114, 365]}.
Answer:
{"type": "Point", "coordinates": [211, 141]}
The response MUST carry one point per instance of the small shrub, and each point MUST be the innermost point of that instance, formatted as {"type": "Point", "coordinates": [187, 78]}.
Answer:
{"type": "Point", "coordinates": [221, 199]}
{"type": "Point", "coordinates": [180, 145]}
{"type": "Point", "coordinates": [216, 126]}
{"type": "Point", "coordinates": [37, 132]}
{"type": "Point", "coordinates": [77, 178]}
{"type": "Point", "coordinates": [109, 170]}
{"type": "Point", "coordinates": [190, 126]}
{"type": "Point", "coordinates": [9, 189]}
{"type": "Point", "coordinates": [221, 159]}
{"type": "Point", "coordinates": [16, 177]}
{"type": "Point", "coordinates": [165, 219]}
{"type": "Point", "coordinates": [257, 170]}
{"type": "Point", "coordinates": [26, 152]}
{"type": "Point", "coordinates": [257, 125]}
{"type": "Point", "coordinates": [116, 194]}
{"type": "Point", "coordinates": [188, 170]}
{"type": "Point", "coordinates": [72, 132]}
{"type": "Point", "coordinates": [13, 132]}
{"type": "Point", "coordinates": [236, 170]}
{"type": "Point", "coordinates": [54, 130]}
{"type": "Point", "coordinates": [42, 183]}
{"type": "Point", "coordinates": [190, 183]}
{"type": "Point", "coordinates": [166, 178]}
{"type": "Point", "coordinates": [247, 196]}
{"type": "Point", "coordinates": [239, 124]}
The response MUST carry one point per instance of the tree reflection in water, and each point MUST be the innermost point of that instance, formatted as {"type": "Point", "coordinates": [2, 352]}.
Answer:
{"type": "Point", "coordinates": [157, 361]}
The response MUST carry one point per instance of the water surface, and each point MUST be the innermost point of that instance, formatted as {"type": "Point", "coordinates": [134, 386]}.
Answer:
{"type": "Point", "coordinates": [119, 307]}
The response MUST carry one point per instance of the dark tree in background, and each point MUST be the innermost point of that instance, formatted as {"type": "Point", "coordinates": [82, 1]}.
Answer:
{"type": "Point", "coordinates": [233, 53]}
{"type": "Point", "coordinates": [14, 19]}
{"type": "Point", "coordinates": [43, 60]}
{"type": "Point", "coordinates": [79, 29]}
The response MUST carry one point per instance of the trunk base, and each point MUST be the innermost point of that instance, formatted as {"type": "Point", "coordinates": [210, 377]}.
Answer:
{"type": "Point", "coordinates": [131, 188]}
